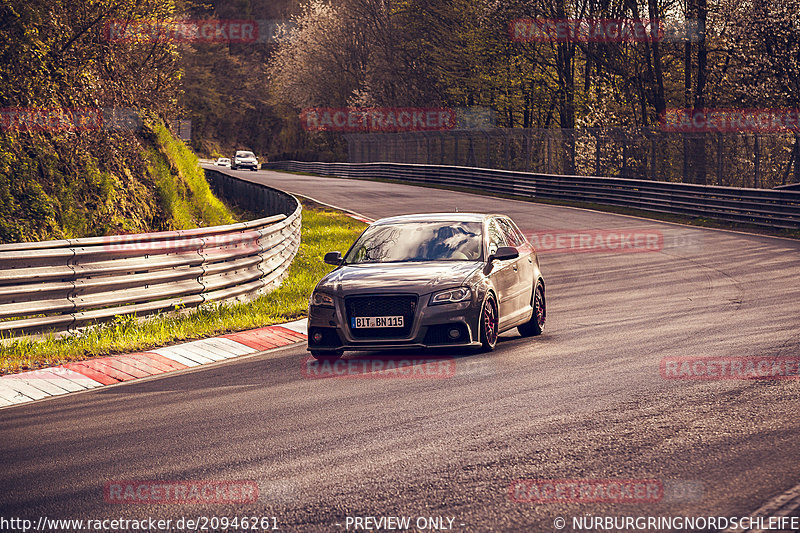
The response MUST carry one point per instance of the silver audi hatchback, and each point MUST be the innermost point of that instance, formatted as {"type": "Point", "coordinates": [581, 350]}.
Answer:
{"type": "Point", "coordinates": [425, 281]}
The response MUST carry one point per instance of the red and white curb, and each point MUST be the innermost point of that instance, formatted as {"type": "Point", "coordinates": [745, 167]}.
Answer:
{"type": "Point", "coordinates": [91, 373]}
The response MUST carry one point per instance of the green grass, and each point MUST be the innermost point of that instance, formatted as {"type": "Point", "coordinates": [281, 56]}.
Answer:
{"type": "Point", "coordinates": [188, 200]}
{"type": "Point", "coordinates": [59, 186]}
{"type": "Point", "coordinates": [323, 230]}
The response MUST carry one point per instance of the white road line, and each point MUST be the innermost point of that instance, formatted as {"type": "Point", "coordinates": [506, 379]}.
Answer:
{"type": "Point", "coordinates": [347, 211]}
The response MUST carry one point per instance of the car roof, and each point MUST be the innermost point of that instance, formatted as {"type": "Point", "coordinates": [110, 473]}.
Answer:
{"type": "Point", "coordinates": [435, 217]}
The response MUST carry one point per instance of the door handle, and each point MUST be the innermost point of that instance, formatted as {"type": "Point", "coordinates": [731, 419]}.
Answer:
{"type": "Point", "coordinates": [515, 268]}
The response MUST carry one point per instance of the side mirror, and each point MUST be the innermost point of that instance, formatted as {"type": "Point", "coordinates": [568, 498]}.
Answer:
{"type": "Point", "coordinates": [504, 253]}
{"type": "Point", "coordinates": [333, 258]}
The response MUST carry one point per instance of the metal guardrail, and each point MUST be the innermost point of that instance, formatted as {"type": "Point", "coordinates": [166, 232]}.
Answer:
{"type": "Point", "coordinates": [57, 285]}
{"type": "Point", "coordinates": [760, 207]}
{"type": "Point", "coordinates": [729, 159]}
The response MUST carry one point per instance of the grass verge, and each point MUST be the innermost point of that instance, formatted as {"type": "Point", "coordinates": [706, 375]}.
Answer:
{"type": "Point", "coordinates": [182, 186]}
{"type": "Point", "coordinates": [323, 230]}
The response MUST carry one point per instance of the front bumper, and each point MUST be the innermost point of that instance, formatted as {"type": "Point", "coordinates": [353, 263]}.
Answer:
{"type": "Point", "coordinates": [429, 328]}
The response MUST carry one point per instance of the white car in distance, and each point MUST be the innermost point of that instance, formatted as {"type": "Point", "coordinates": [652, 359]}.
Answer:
{"type": "Point", "coordinates": [244, 159]}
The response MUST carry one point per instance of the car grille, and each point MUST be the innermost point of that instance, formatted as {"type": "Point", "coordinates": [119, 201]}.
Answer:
{"type": "Point", "coordinates": [400, 305]}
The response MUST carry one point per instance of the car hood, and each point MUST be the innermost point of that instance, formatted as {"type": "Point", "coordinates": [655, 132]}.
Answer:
{"type": "Point", "coordinates": [419, 278]}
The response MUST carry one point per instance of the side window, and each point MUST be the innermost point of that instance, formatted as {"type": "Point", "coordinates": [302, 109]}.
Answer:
{"type": "Point", "coordinates": [496, 237]}
{"type": "Point", "coordinates": [520, 236]}
{"type": "Point", "coordinates": [513, 236]}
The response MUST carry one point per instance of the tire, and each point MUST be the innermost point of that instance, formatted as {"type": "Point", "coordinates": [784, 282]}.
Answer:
{"type": "Point", "coordinates": [254, 169]}
{"type": "Point", "coordinates": [489, 323]}
{"type": "Point", "coordinates": [327, 356]}
{"type": "Point", "coordinates": [535, 325]}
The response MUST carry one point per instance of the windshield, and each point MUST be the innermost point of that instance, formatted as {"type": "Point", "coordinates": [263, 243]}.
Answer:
{"type": "Point", "coordinates": [426, 241]}
{"type": "Point", "coordinates": [244, 154]}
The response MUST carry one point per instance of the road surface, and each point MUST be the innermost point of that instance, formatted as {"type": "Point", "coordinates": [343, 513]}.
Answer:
{"type": "Point", "coordinates": [588, 400]}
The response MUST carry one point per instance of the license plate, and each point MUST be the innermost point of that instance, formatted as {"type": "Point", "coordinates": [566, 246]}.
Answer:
{"type": "Point", "coordinates": [376, 322]}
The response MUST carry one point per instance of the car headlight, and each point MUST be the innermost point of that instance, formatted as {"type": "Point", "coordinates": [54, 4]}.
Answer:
{"type": "Point", "coordinates": [321, 299]}
{"type": "Point", "coordinates": [451, 296]}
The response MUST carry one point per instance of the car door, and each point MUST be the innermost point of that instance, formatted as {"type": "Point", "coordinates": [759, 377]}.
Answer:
{"type": "Point", "coordinates": [502, 274]}
{"type": "Point", "coordinates": [520, 294]}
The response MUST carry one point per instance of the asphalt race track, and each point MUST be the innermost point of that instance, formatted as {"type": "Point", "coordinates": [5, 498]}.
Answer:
{"type": "Point", "coordinates": [588, 400]}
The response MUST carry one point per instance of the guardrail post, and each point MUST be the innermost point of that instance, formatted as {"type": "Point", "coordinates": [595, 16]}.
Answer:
{"type": "Point", "coordinates": [720, 150]}
{"type": "Point", "coordinates": [624, 172]}
{"type": "Point", "coordinates": [488, 149]}
{"type": "Point", "coordinates": [756, 160]}
{"type": "Point", "coordinates": [547, 150]}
